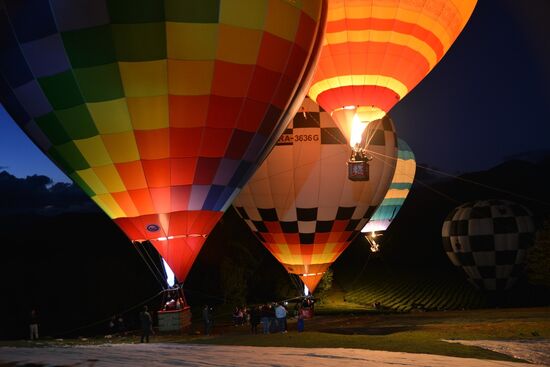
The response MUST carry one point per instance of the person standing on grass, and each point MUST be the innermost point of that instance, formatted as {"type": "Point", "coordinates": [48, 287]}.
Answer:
{"type": "Point", "coordinates": [33, 325]}
{"type": "Point", "coordinates": [146, 324]}
{"type": "Point", "coordinates": [207, 319]}
{"type": "Point", "coordinates": [280, 315]}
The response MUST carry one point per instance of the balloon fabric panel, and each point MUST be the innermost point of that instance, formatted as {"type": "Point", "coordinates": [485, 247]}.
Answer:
{"type": "Point", "coordinates": [155, 108]}
{"type": "Point", "coordinates": [300, 203]}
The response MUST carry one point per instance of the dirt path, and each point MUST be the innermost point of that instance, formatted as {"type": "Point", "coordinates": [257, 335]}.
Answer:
{"type": "Point", "coordinates": [536, 351]}
{"type": "Point", "coordinates": [161, 355]}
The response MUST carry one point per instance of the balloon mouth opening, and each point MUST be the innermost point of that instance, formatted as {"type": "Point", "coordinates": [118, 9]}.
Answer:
{"type": "Point", "coordinates": [358, 118]}
{"type": "Point", "coordinates": [192, 235]}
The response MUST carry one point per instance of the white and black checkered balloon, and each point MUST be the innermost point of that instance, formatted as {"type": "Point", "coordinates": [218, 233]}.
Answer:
{"type": "Point", "coordinates": [489, 240]}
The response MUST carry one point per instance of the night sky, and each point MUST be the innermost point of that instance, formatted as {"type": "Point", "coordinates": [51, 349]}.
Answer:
{"type": "Point", "coordinates": [486, 101]}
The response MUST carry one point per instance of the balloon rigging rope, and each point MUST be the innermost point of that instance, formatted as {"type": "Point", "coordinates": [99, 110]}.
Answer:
{"type": "Point", "coordinates": [494, 188]}
{"type": "Point", "coordinates": [159, 272]}
{"type": "Point", "coordinates": [155, 275]}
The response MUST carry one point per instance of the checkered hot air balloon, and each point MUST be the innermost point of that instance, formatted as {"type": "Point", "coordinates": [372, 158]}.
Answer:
{"type": "Point", "coordinates": [489, 241]}
{"type": "Point", "coordinates": [376, 51]}
{"type": "Point", "coordinates": [405, 168]}
{"type": "Point", "coordinates": [159, 109]}
{"type": "Point", "coordinates": [300, 203]}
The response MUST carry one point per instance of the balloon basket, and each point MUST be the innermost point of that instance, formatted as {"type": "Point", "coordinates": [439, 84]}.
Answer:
{"type": "Point", "coordinates": [175, 320]}
{"type": "Point", "coordinates": [358, 170]}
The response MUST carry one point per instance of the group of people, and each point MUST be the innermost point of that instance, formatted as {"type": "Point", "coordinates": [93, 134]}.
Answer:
{"type": "Point", "coordinates": [272, 316]}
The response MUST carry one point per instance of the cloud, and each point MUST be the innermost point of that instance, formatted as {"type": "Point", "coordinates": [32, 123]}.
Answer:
{"type": "Point", "coordinates": [38, 194]}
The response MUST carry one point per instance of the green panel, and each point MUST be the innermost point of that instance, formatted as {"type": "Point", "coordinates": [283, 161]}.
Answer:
{"type": "Point", "coordinates": [68, 157]}
{"type": "Point", "coordinates": [50, 125]}
{"type": "Point", "coordinates": [77, 122]}
{"type": "Point", "coordinates": [82, 184]}
{"type": "Point", "coordinates": [193, 11]}
{"type": "Point", "coordinates": [136, 11]}
{"type": "Point", "coordinates": [140, 42]}
{"type": "Point", "coordinates": [61, 90]}
{"type": "Point", "coordinates": [77, 45]}
{"type": "Point", "coordinates": [100, 83]}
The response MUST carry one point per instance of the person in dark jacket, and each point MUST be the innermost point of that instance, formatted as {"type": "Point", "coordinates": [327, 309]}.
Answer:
{"type": "Point", "coordinates": [254, 319]}
{"type": "Point", "coordinates": [207, 319]}
{"type": "Point", "coordinates": [33, 325]}
{"type": "Point", "coordinates": [146, 324]}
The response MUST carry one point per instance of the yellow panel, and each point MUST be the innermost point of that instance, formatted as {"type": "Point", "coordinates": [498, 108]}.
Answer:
{"type": "Point", "coordinates": [283, 20]}
{"type": "Point", "coordinates": [110, 178]}
{"type": "Point", "coordinates": [111, 116]}
{"type": "Point", "coordinates": [247, 40]}
{"type": "Point", "coordinates": [244, 13]}
{"type": "Point", "coordinates": [94, 151]}
{"type": "Point", "coordinates": [395, 38]}
{"type": "Point", "coordinates": [149, 113]}
{"type": "Point", "coordinates": [396, 194]}
{"type": "Point", "coordinates": [91, 179]}
{"type": "Point", "coordinates": [121, 147]}
{"type": "Point", "coordinates": [190, 78]}
{"type": "Point", "coordinates": [109, 206]}
{"type": "Point", "coordinates": [141, 79]}
{"type": "Point", "coordinates": [191, 41]}
{"type": "Point", "coordinates": [358, 80]}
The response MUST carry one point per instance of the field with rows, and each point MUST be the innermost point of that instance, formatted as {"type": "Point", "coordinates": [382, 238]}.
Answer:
{"type": "Point", "coordinates": [407, 290]}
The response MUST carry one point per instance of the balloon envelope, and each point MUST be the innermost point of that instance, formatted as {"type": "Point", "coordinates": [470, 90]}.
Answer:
{"type": "Point", "coordinates": [376, 51]}
{"type": "Point", "coordinates": [489, 240]}
{"type": "Point", "coordinates": [401, 183]}
{"type": "Point", "coordinates": [301, 204]}
{"type": "Point", "coordinates": [159, 110]}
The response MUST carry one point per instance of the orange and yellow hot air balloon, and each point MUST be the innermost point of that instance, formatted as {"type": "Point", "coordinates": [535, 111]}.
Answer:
{"type": "Point", "coordinates": [377, 51]}
{"type": "Point", "coordinates": [159, 109]}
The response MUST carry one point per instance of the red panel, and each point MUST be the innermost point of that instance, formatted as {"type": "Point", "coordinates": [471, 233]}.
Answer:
{"type": "Point", "coordinates": [142, 201]}
{"type": "Point", "coordinates": [335, 98]}
{"type": "Point", "coordinates": [263, 84]}
{"type": "Point", "coordinates": [206, 171]}
{"type": "Point", "coordinates": [157, 172]}
{"type": "Point", "coordinates": [311, 281]}
{"type": "Point", "coordinates": [274, 53]}
{"type": "Point", "coordinates": [306, 30]}
{"type": "Point", "coordinates": [273, 227]}
{"type": "Point", "coordinates": [185, 142]}
{"type": "Point", "coordinates": [182, 171]}
{"type": "Point", "coordinates": [188, 111]}
{"type": "Point", "coordinates": [130, 229]}
{"type": "Point", "coordinates": [180, 253]}
{"type": "Point", "coordinates": [339, 226]}
{"type": "Point", "coordinates": [238, 144]}
{"type": "Point", "coordinates": [252, 115]}
{"type": "Point", "coordinates": [292, 238]}
{"type": "Point", "coordinates": [153, 144]}
{"type": "Point", "coordinates": [179, 195]}
{"type": "Point", "coordinates": [321, 238]}
{"type": "Point", "coordinates": [215, 142]}
{"type": "Point", "coordinates": [231, 80]}
{"type": "Point", "coordinates": [124, 200]}
{"type": "Point", "coordinates": [223, 111]}
{"type": "Point", "coordinates": [388, 25]}
{"type": "Point", "coordinates": [296, 62]}
{"type": "Point", "coordinates": [161, 199]}
{"type": "Point", "coordinates": [285, 89]}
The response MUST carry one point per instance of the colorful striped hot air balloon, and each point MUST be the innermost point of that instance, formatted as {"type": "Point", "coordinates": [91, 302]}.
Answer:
{"type": "Point", "coordinates": [402, 181]}
{"type": "Point", "coordinates": [159, 110]}
{"type": "Point", "coordinates": [301, 205]}
{"type": "Point", "coordinates": [376, 51]}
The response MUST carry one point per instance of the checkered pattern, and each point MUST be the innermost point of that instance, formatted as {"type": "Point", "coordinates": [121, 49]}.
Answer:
{"type": "Point", "coordinates": [300, 203]}
{"type": "Point", "coordinates": [489, 240]}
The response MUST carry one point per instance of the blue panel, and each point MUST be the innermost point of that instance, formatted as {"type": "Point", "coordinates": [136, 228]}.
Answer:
{"type": "Point", "coordinates": [256, 145]}
{"type": "Point", "coordinates": [212, 198]}
{"type": "Point", "coordinates": [31, 19]}
{"type": "Point", "coordinates": [225, 172]}
{"type": "Point", "coordinates": [242, 174]}
{"type": "Point", "coordinates": [12, 62]}
{"type": "Point", "coordinates": [393, 201]}
{"type": "Point", "coordinates": [400, 185]}
{"type": "Point", "coordinates": [78, 14]}
{"type": "Point", "coordinates": [8, 99]}
{"type": "Point", "coordinates": [46, 56]}
{"type": "Point", "coordinates": [33, 99]}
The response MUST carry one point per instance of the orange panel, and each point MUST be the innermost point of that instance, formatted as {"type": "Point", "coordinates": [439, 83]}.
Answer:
{"type": "Point", "coordinates": [153, 144]}
{"type": "Point", "coordinates": [124, 200]}
{"type": "Point", "coordinates": [157, 172]}
{"type": "Point", "coordinates": [185, 142]}
{"type": "Point", "coordinates": [161, 199]}
{"type": "Point", "coordinates": [311, 281]}
{"type": "Point", "coordinates": [131, 174]}
{"type": "Point", "coordinates": [182, 171]}
{"type": "Point", "coordinates": [188, 111]}
{"type": "Point", "coordinates": [142, 201]}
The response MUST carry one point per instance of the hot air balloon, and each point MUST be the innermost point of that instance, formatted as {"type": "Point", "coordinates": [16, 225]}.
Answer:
{"type": "Point", "coordinates": [159, 110]}
{"type": "Point", "coordinates": [489, 240]}
{"type": "Point", "coordinates": [376, 51]}
{"type": "Point", "coordinates": [301, 205]}
{"type": "Point", "coordinates": [401, 183]}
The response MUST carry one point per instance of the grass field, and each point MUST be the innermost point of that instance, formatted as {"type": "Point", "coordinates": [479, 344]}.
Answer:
{"type": "Point", "coordinates": [414, 332]}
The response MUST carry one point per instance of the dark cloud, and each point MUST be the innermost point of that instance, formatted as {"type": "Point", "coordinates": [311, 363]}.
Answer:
{"type": "Point", "coordinates": [38, 194]}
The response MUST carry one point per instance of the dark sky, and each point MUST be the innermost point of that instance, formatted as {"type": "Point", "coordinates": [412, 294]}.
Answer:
{"type": "Point", "coordinates": [488, 98]}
